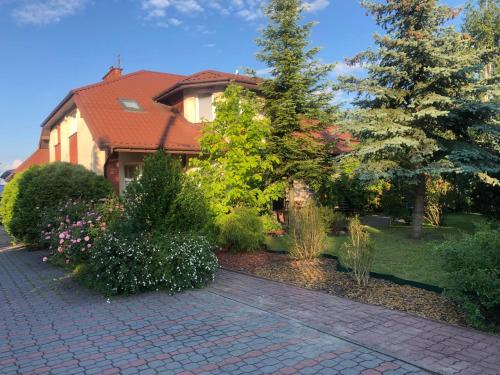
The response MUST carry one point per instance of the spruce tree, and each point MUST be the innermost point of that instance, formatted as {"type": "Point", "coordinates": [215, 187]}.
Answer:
{"type": "Point", "coordinates": [418, 112]}
{"type": "Point", "coordinates": [298, 89]}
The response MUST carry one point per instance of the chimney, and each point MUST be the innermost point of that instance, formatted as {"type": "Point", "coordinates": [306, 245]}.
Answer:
{"type": "Point", "coordinates": [114, 72]}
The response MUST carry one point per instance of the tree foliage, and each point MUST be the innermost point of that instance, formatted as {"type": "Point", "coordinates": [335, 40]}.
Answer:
{"type": "Point", "coordinates": [482, 22]}
{"type": "Point", "coordinates": [297, 90]}
{"type": "Point", "coordinates": [235, 166]}
{"type": "Point", "coordinates": [418, 110]}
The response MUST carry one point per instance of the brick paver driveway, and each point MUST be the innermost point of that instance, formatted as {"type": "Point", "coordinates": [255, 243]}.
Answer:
{"type": "Point", "coordinates": [240, 324]}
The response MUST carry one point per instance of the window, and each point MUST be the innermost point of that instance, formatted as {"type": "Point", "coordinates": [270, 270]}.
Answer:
{"type": "Point", "coordinates": [130, 105]}
{"type": "Point", "coordinates": [129, 173]}
{"type": "Point", "coordinates": [74, 124]}
{"type": "Point", "coordinates": [205, 108]}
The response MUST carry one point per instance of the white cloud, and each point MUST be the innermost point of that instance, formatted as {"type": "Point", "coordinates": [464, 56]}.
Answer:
{"type": "Point", "coordinates": [210, 45]}
{"type": "Point", "coordinates": [187, 6]}
{"type": "Point", "coordinates": [167, 22]}
{"type": "Point", "coordinates": [47, 11]}
{"type": "Point", "coordinates": [158, 8]}
{"type": "Point", "coordinates": [315, 5]}
{"type": "Point", "coordinates": [264, 72]}
{"type": "Point", "coordinates": [342, 69]}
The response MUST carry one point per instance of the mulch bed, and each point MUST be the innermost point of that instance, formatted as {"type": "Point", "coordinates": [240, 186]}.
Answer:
{"type": "Point", "coordinates": [321, 274]}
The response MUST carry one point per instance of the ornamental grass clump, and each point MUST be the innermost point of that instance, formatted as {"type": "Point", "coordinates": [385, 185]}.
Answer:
{"type": "Point", "coordinates": [359, 253]}
{"type": "Point", "coordinates": [307, 231]}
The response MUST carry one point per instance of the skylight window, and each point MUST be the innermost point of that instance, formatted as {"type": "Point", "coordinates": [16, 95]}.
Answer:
{"type": "Point", "coordinates": [131, 105]}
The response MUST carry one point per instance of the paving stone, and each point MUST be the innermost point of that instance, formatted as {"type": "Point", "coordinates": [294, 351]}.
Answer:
{"type": "Point", "coordinates": [238, 325]}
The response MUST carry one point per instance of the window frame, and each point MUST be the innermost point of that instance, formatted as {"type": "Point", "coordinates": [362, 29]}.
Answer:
{"type": "Point", "coordinates": [130, 109]}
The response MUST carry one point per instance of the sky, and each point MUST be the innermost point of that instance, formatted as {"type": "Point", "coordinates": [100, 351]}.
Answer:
{"type": "Point", "coordinates": [48, 47]}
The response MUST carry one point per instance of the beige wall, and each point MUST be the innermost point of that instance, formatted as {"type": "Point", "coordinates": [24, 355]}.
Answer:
{"type": "Point", "coordinates": [52, 144]}
{"type": "Point", "coordinates": [190, 101]}
{"type": "Point", "coordinates": [89, 154]}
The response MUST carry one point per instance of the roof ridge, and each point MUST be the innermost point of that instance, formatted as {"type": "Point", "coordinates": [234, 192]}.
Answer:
{"type": "Point", "coordinates": [125, 76]}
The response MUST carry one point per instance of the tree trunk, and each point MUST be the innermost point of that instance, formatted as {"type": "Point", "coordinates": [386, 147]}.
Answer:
{"type": "Point", "coordinates": [419, 209]}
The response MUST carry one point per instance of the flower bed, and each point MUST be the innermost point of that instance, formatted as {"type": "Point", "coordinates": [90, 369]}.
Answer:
{"type": "Point", "coordinates": [322, 274]}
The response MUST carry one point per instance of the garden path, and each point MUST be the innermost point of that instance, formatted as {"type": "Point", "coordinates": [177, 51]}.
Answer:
{"type": "Point", "coordinates": [240, 324]}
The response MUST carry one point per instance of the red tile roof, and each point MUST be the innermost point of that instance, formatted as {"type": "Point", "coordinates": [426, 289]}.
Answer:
{"type": "Point", "coordinates": [331, 134]}
{"type": "Point", "coordinates": [39, 157]}
{"type": "Point", "coordinates": [157, 125]}
{"type": "Point", "coordinates": [215, 76]}
{"type": "Point", "coordinates": [208, 77]}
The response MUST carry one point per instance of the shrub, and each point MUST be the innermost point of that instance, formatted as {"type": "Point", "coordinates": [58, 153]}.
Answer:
{"type": "Point", "coordinates": [358, 255]}
{"type": "Point", "coordinates": [241, 230]}
{"type": "Point", "coordinates": [149, 198]}
{"type": "Point", "coordinates": [72, 230]}
{"type": "Point", "coordinates": [124, 264]}
{"type": "Point", "coordinates": [190, 258]}
{"type": "Point", "coordinates": [307, 231]}
{"type": "Point", "coordinates": [163, 199]}
{"type": "Point", "coordinates": [121, 264]}
{"type": "Point", "coordinates": [435, 193]}
{"type": "Point", "coordinates": [473, 267]}
{"type": "Point", "coordinates": [270, 224]}
{"type": "Point", "coordinates": [190, 210]}
{"type": "Point", "coordinates": [335, 221]}
{"type": "Point", "coordinates": [42, 189]}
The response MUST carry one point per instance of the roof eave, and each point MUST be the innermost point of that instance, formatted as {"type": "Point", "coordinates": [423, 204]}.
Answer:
{"type": "Point", "coordinates": [53, 116]}
{"type": "Point", "coordinates": [182, 86]}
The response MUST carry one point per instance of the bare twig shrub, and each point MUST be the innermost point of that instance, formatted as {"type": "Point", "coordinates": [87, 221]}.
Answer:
{"type": "Point", "coordinates": [358, 254]}
{"type": "Point", "coordinates": [307, 231]}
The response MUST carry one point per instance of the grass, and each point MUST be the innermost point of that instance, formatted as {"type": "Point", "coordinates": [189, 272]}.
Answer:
{"type": "Point", "coordinates": [398, 254]}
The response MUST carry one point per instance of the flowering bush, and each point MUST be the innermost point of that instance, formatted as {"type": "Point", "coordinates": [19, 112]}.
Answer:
{"type": "Point", "coordinates": [124, 265]}
{"type": "Point", "coordinates": [72, 229]}
{"type": "Point", "coordinates": [191, 260]}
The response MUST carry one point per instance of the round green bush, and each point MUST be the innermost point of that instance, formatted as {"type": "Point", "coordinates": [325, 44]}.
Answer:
{"type": "Point", "coordinates": [41, 189]}
{"type": "Point", "coordinates": [241, 230]}
{"type": "Point", "coordinates": [473, 267]}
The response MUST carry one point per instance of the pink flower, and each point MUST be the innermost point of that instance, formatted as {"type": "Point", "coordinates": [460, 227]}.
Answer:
{"type": "Point", "coordinates": [44, 259]}
{"type": "Point", "coordinates": [87, 238]}
{"type": "Point", "coordinates": [47, 237]}
{"type": "Point", "coordinates": [79, 240]}
{"type": "Point", "coordinates": [89, 246]}
{"type": "Point", "coordinates": [48, 226]}
{"type": "Point", "coordinates": [61, 235]}
{"type": "Point", "coordinates": [59, 249]}
{"type": "Point", "coordinates": [61, 241]}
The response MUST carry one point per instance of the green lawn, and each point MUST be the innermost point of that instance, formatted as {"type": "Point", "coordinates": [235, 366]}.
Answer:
{"type": "Point", "coordinates": [398, 254]}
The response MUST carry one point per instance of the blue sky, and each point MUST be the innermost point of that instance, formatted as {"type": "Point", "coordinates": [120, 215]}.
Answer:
{"type": "Point", "coordinates": [51, 46]}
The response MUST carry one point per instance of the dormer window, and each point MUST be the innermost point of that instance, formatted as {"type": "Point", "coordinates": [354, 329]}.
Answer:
{"type": "Point", "coordinates": [130, 105]}
{"type": "Point", "coordinates": [204, 107]}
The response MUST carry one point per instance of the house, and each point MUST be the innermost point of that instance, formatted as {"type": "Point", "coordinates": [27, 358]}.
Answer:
{"type": "Point", "coordinates": [108, 127]}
